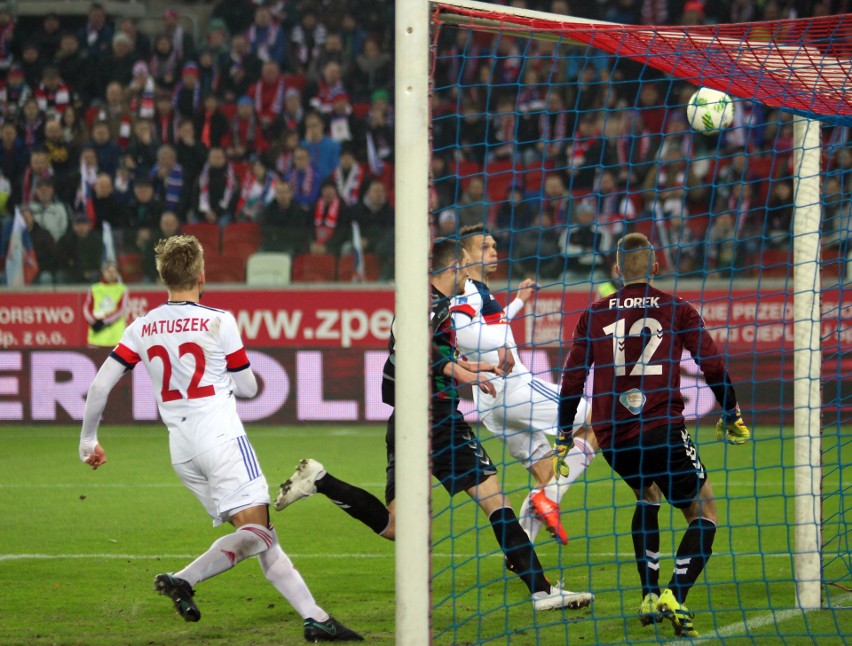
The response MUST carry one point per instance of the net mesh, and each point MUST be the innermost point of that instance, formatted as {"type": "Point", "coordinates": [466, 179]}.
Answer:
{"type": "Point", "coordinates": [561, 138]}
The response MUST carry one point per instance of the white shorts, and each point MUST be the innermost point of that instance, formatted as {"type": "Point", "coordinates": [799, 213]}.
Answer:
{"type": "Point", "coordinates": [523, 413]}
{"type": "Point", "coordinates": [226, 479]}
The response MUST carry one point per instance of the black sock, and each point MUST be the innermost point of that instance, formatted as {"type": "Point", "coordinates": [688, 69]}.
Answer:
{"type": "Point", "coordinates": [356, 502]}
{"type": "Point", "coordinates": [517, 547]}
{"type": "Point", "coordinates": [694, 551]}
{"type": "Point", "coordinates": [646, 545]}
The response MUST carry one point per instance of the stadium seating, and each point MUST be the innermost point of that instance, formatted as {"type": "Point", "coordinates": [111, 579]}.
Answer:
{"type": "Point", "coordinates": [220, 268]}
{"type": "Point", "coordinates": [346, 267]}
{"type": "Point", "coordinates": [207, 234]}
{"type": "Point", "coordinates": [266, 269]}
{"type": "Point", "coordinates": [314, 268]}
{"type": "Point", "coordinates": [130, 267]}
{"type": "Point", "coordinates": [247, 232]}
{"type": "Point", "coordinates": [774, 263]}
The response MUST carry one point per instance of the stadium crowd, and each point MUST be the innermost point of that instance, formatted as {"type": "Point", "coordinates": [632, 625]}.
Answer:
{"type": "Point", "coordinates": [275, 132]}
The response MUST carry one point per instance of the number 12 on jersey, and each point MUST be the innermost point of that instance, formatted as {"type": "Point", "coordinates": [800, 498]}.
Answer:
{"type": "Point", "coordinates": [654, 339]}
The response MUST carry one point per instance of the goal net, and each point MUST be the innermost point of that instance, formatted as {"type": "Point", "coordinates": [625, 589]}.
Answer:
{"type": "Point", "coordinates": [560, 136]}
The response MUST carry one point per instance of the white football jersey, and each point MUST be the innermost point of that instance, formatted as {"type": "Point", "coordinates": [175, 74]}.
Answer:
{"type": "Point", "coordinates": [189, 350]}
{"type": "Point", "coordinates": [481, 326]}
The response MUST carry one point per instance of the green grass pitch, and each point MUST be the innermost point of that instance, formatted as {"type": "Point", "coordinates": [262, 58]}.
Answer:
{"type": "Point", "coordinates": [79, 550]}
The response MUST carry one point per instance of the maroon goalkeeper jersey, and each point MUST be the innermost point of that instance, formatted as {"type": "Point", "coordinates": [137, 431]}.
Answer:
{"type": "Point", "coordinates": [635, 339]}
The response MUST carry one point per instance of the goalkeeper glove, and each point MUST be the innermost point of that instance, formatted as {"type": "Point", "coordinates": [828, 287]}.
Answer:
{"type": "Point", "coordinates": [560, 450]}
{"type": "Point", "coordinates": [732, 428]}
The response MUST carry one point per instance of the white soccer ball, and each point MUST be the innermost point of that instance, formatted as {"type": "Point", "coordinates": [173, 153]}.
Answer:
{"type": "Point", "coordinates": [709, 111]}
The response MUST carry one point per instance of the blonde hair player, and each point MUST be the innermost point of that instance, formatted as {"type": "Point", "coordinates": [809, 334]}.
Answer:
{"type": "Point", "coordinates": [198, 365]}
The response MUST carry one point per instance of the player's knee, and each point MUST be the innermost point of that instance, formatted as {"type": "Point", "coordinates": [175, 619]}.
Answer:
{"type": "Point", "coordinates": [251, 541]}
{"type": "Point", "coordinates": [389, 532]}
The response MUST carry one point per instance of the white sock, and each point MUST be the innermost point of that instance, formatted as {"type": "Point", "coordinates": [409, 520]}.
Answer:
{"type": "Point", "coordinates": [226, 552]}
{"type": "Point", "coordinates": [529, 523]}
{"type": "Point", "coordinates": [279, 569]}
{"type": "Point", "coordinates": [578, 458]}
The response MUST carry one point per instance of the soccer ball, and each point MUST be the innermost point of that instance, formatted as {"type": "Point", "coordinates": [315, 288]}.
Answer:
{"type": "Point", "coordinates": [709, 111]}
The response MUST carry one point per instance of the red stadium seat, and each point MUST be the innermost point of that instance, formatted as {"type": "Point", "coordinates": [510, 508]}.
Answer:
{"type": "Point", "coordinates": [219, 268]}
{"type": "Point", "coordinates": [346, 267]}
{"type": "Point", "coordinates": [314, 268]}
{"type": "Point", "coordinates": [228, 110]}
{"type": "Point", "coordinates": [207, 234]}
{"type": "Point", "coordinates": [774, 263]}
{"type": "Point", "coordinates": [130, 267]}
{"type": "Point", "coordinates": [242, 232]}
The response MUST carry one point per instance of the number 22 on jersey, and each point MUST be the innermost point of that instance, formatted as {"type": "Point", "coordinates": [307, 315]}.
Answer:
{"type": "Point", "coordinates": [194, 391]}
{"type": "Point", "coordinates": [654, 339]}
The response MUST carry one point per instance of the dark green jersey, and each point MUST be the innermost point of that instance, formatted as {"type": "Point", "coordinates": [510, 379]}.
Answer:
{"type": "Point", "coordinates": [443, 351]}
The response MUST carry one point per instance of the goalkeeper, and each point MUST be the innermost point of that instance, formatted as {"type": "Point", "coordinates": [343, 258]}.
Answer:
{"type": "Point", "coordinates": [635, 339]}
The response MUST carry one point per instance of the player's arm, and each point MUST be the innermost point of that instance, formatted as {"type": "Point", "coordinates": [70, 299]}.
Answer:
{"type": "Point", "coordinates": [465, 377]}
{"type": "Point", "coordinates": [526, 290]}
{"type": "Point", "coordinates": [472, 332]}
{"type": "Point", "coordinates": [700, 344]}
{"type": "Point", "coordinates": [236, 359]}
{"type": "Point", "coordinates": [108, 376]}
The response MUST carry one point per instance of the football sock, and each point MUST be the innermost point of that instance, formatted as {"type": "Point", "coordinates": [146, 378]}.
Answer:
{"type": "Point", "coordinates": [578, 458]}
{"type": "Point", "coordinates": [356, 502]}
{"type": "Point", "coordinates": [694, 551]}
{"type": "Point", "coordinates": [529, 523]}
{"type": "Point", "coordinates": [283, 575]}
{"type": "Point", "coordinates": [646, 545]}
{"type": "Point", "coordinates": [518, 549]}
{"type": "Point", "coordinates": [226, 552]}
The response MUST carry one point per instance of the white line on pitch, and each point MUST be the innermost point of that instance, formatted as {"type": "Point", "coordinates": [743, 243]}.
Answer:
{"type": "Point", "coordinates": [744, 628]}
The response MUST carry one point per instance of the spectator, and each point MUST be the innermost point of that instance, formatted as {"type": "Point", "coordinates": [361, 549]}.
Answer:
{"type": "Point", "coordinates": [96, 35]}
{"type": "Point", "coordinates": [210, 122]}
{"type": "Point", "coordinates": [325, 152]}
{"type": "Point", "coordinates": [216, 41]}
{"type": "Point", "coordinates": [377, 139]}
{"type": "Point", "coordinates": [140, 156]}
{"type": "Point", "coordinates": [218, 189]}
{"type": "Point", "coordinates": [74, 130]}
{"type": "Point", "coordinates": [332, 50]}
{"type": "Point", "coordinates": [614, 210]}
{"type": "Point", "coordinates": [306, 40]}
{"type": "Point", "coordinates": [268, 95]}
{"type": "Point", "coordinates": [444, 180]}
{"type": "Point", "coordinates": [73, 63]}
{"type": "Point", "coordinates": [38, 168]}
{"type": "Point", "coordinates": [13, 153]}
{"type": "Point", "coordinates": [503, 131]}
{"type": "Point", "coordinates": [143, 214]}
{"type": "Point", "coordinates": [44, 246]}
{"type": "Point", "coordinates": [472, 132]}
{"type": "Point", "coordinates": [330, 221]}
{"type": "Point", "coordinates": [246, 134]}
{"type": "Point", "coordinates": [165, 64]}
{"type": "Point", "coordinates": [106, 150]}
{"type": "Point", "coordinates": [348, 177]}
{"type": "Point", "coordinates": [580, 243]}
{"type": "Point", "coordinates": [327, 87]}
{"type": "Point", "coordinates": [191, 154]}
{"type": "Point", "coordinates": [14, 93]}
{"type": "Point", "coordinates": [514, 215]}
{"type": "Point", "coordinates": [187, 97]}
{"type": "Point", "coordinates": [7, 38]}
{"type": "Point", "coordinates": [31, 124]}
{"type": "Point", "coordinates": [779, 215]}
{"type": "Point", "coordinates": [535, 251]}
{"type": "Point", "coordinates": [52, 215]}
{"type": "Point", "coordinates": [80, 252]}
{"type": "Point", "coordinates": [52, 94]}
{"type": "Point", "coordinates": [240, 69]}
{"type": "Point", "coordinates": [208, 72]}
{"type": "Point", "coordinates": [106, 308]}
{"type": "Point", "coordinates": [293, 115]}
{"type": "Point", "coordinates": [373, 70]}
{"type": "Point", "coordinates": [258, 190]}
{"type": "Point", "coordinates": [116, 114]}
{"type": "Point", "coordinates": [165, 119]}
{"type": "Point", "coordinates": [5, 198]}
{"type": "Point", "coordinates": [266, 38]}
{"type": "Point", "coordinates": [304, 178]}
{"type": "Point", "coordinates": [167, 175]}
{"type": "Point", "coordinates": [107, 206]}
{"type": "Point", "coordinates": [375, 218]}
{"type": "Point", "coordinates": [352, 38]}
{"type": "Point", "coordinates": [117, 65]}
{"type": "Point", "coordinates": [169, 226]}
{"type": "Point", "coordinates": [140, 44]}
{"type": "Point", "coordinates": [285, 226]}
{"type": "Point", "coordinates": [473, 206]}
{"type": "Point", "coordinates": [31, 63]}
{"type": "Point", "coordinates": [181, 40]}
{"type": "Point", "coordinates": [342, 124]}
{"type": "Point", "coordinates": [282, 151]}
{"type": "Point", "coordinates": [85, 181]}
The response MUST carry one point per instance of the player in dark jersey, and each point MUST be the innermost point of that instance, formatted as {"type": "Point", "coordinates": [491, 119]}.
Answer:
{"type": "Point", "coordinates": [635, 339]}
{"type": "Point", "coordinates": [459, 461]}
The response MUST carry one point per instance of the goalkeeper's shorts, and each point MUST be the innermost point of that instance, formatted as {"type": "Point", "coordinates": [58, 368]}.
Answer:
{"type": "Point", "coordinates": [664, 456]}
